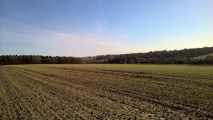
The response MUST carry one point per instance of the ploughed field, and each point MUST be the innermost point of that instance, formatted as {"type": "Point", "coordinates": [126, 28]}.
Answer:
{"type": "Point", "coordinates": [106, 92]}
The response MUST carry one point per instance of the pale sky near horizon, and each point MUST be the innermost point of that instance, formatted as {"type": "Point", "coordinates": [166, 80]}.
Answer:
{"type": "Point", "coordinates": [97, 27]}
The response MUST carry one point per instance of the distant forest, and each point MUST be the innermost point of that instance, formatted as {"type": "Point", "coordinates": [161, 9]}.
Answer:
{"type": "Point", "coordinates": [186, 56]}
{"type": "Point", "coordinates": [35, 59]}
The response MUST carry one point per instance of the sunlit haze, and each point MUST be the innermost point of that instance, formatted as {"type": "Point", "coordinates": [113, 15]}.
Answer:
{"type": "Point", "coordinates": [98, 27]}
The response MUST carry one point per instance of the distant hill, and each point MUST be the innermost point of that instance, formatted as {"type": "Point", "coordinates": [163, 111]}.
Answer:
{"type": "Point", "coordinates": [184, 56]}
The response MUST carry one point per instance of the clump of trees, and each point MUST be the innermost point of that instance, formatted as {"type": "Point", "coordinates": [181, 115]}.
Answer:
{"type": "Point", "coordinates": [185, 56]}
{"type": "Point", "coordinates": [36, 59]}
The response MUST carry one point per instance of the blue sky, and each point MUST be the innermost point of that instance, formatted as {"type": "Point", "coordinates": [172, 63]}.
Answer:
{"type": "Point", "coordinates": [96, 27]}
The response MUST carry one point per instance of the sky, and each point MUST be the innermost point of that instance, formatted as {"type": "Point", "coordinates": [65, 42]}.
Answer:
{"type": "Point", "coordinates": [97, 27]}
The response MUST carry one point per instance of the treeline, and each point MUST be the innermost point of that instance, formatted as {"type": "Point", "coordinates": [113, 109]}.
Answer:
{"type": "Point", "coordinates": [36, 59]}
{"type": "Point", "coordinates": [185, 56]}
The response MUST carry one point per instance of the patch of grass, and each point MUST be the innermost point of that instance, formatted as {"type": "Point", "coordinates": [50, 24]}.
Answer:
{"type": "Point", "coordinates": [202, 57]}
